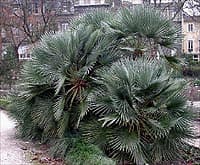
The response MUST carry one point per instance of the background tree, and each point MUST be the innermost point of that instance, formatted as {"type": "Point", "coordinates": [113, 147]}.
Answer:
{"type": "Point", "coordinates": [193, 7]}
{"type": "Point", "coordinates": [25, 21]}
{"type": "Point", "coordinates": [9, 67]}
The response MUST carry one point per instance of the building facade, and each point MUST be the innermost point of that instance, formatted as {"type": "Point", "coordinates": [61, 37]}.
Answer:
{"type": "Point", "coordinates": [191, 36]}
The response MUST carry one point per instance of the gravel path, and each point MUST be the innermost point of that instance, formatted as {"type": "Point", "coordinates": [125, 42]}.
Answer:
{"type": "Point", "coordinates": [196, 143]}
{"type": "Point", "coordinates": [11, 152]}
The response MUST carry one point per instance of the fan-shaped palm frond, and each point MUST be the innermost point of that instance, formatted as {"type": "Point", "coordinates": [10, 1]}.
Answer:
{"type": "Point", "coordinates": [143, 29]}
{"type": "Point", "coordinates": [57, 80]}
{"type": "Point", "coordinates": [94, 18]}
{"type": "Point", "coordinates": [137, 113]}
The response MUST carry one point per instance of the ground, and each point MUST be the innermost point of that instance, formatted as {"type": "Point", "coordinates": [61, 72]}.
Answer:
{"type": "Point", "coordinates": [16, 152]}
{"type": "Point", "coordinates": [11, 149]}
{"type": "Point", "coordinates": [197, 124]}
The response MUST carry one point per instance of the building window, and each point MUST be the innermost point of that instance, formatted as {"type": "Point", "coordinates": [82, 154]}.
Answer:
{"type": "Point", "coordinates": [28, 56]}
{"type": "Point", "coordinates": [24, 52]}
{"type": "Point", "coordinates": [196, 58]}
{"type": "Point", "coordinates": [66, 7]}
{"type": "Point", "coordinates": [199, 45]}
{"type": "Point", "coordinates": [48, 6]}
{"type": "Point", "coordinates": [190, 45]}
{"type": "Point", "coordinates": [24, 56]}
{"type": "Point", "coordinates": [15, 8]}
{"type": "Point", "coordinates": [64, 26]}
{"type": "Point", "coordinates": [29, 8]}
{"type": "Point", "coordinates": [190, 27]}
{"type": "Point", "coordinates": [35, 7]}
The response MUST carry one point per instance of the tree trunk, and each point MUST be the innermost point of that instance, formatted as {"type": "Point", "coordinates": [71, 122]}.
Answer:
{"type": "Point", "coordinates": [15, 48]}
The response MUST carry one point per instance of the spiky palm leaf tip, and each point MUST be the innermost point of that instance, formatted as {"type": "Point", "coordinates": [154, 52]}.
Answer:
{"type": "Point", "coordinates": [143, 29]}
{"type": "Point", "coordinates": [141, 112]}
{"type": "Point", "coordinates": [55, 83]}
{"type": "Point", "coordinates": [95, 18]}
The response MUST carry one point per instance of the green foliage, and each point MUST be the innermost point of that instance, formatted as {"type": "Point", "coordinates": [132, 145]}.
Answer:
{"type": "Point", "coordinates": [192, 68]}
{"type": "Point", "coordinates": [9, 66]}
{"type": "Point", "coordinates": [189, 59]}
{"type": "Point", "coordinates": [140, 110]}
{"type": "Point", "coordinates": [76, 83]}
{"type": "Point", "coordinates": [77, 152]}
{"type": "Point", "coordinates": [148, 23]}
{"type": "Point", "coordinates": [192, 71]}
{"type": "Point", "coordinates": [138, 31]}
{"type": "Point", "coordinates": [197, 82]}
{"type": "Point", "coordinates": [84, 153]}
{"type": "Point", "coordinates": [143, 29]}
{"type": "Point", "coordinates": [22, 112]}
{"type": "Point", "coordinates": [95, 19]}
{"type": "Point", "coordinates": [4, 103]}
{"type": "Point", "coordinates": [60, 147]}
{"type": "Point", "coordinates": [56, 81]}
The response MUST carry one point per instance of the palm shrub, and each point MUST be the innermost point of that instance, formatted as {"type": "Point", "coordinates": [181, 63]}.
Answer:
{"type": "Point", "coordinates": [96, 18]}
{"type": "Point", "coordinates": [138, 113]}
{"type": "Point", "coordinates": [131, 26]}
{"type": "Point", "coordinates": [145, 31]}
{"type": "Point", "coordinates": [56, 81]}
{"type": "Point", "coordinates": [147, 23]}
{"type": "Point", "coordinates": [138, 31]}
{"type": "Point", "coordinates": [130, 110]}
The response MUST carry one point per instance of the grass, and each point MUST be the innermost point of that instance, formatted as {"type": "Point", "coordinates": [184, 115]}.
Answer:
{"type": "Point", "coordinates": [83, 153]}
{"type": "Point", "coordinates": [77, 152]}
{"type": "Point", "coordinates": [3, 103]}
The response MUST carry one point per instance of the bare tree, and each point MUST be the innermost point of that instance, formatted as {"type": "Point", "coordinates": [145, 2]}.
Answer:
{"type": "Point", "coordinates": [26, 20]}
{"type": "Point", "coordinates": [33, 18]}
{"type": "Point", "coordinates": [193, 7]}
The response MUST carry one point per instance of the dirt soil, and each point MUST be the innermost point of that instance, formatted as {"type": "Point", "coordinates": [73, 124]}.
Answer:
{"type": "Point", "coordinates": [17, 152]}
{"type": "Point", "coordinates": [11, 149]}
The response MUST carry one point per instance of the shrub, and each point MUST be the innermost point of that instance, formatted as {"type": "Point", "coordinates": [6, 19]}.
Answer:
{"type": "Point", "coordinates": [197, 82]}
{"type": "Point", "coordinates": [57, 80]}
{"type": "Point", "coordinates": [192, 71]}
{"type": "Point", "coordinates": [84, 153]}
{"type": "Point", "coordinates": [77, 152]}
{"type": "Point", "coordinates": [136, 107]}
{"type": "Point", "coordinates": [9, 67]}
{"type": "Point", "coordinates": [4, 103]}
{"type": "Point", "coordinates": [139, 113]}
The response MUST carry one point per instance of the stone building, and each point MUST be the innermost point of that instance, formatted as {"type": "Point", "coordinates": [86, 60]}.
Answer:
{"type": "Point", "coordinates": [191, 36]}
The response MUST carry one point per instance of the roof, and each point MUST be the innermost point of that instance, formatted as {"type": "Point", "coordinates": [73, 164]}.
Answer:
{"type": "Point", "coordinates": [188, 18]}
